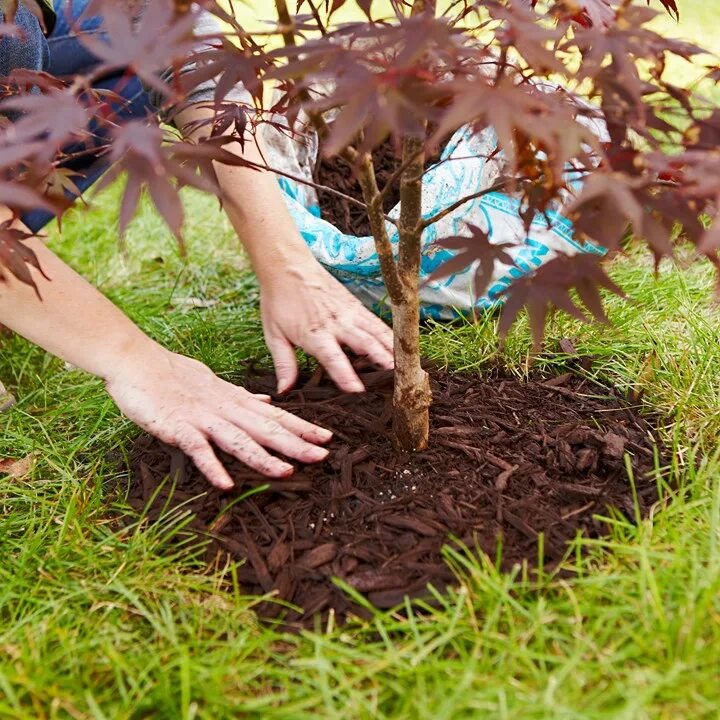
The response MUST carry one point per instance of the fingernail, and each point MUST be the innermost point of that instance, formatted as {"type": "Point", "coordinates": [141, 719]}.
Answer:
{"type": "Point", "coordinates": [285, 469]}
{"type": "Point", "coordinates": [319, 454]}
{"type": "Point", "coordinates": [324, 434]}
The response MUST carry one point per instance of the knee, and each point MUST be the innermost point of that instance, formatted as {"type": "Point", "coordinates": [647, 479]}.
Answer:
{"type": "Point", "coordinates": [26, 50]}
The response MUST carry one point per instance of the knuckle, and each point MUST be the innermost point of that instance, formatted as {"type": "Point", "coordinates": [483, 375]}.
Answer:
{"type": "Point", "coordinates": [275, 428]}
{"type": "Point", "coordinates": [193, 446]}
{"type": "Point", "coordinates": [240, 440]}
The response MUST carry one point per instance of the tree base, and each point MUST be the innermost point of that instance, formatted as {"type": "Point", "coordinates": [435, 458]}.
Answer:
{"type": "Point", "coordinates": [411, 413]}
{"type": "Point", "coordinates": [515, 469]}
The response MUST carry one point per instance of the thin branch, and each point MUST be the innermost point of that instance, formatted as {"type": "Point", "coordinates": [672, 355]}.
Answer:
{"type": "Point", "coordinates": [366, 177]}
{"type": "Point", "coordinates": [316, 118]}
{"type": "Point", "coordinates": [411, 212]}
{"type": "Point", "coordinates": [316, 186]}
{"type": "Point", "coordinates": [404, 164]}
{"type": "Point", "coordinates": [371, 193]}
{"type": "Point", "coordinates": [318, 19]}
{"type": "Point", "coordinates": [286, 23]}
{"type": "Point", "coordinates": [397, 174]}
{"type": "Point", "coordinates": [451, 208]}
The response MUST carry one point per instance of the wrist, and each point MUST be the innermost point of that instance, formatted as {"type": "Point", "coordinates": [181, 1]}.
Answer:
{"type": "Point", "coordinates": [284, 262]}
{"type": "Point", "coordinates": [131, 356]}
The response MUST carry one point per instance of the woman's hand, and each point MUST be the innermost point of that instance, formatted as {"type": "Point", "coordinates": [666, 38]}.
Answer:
{"type": "Point", "coordinates": [308, 308]}
{"type": "Point", "coordinates": [183, 403]}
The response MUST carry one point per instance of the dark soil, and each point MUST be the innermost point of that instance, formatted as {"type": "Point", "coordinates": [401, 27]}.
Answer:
{"type": "Point", "coordinates": [508, 460]}
{"type": "Point", "coordinates": [338, 174]}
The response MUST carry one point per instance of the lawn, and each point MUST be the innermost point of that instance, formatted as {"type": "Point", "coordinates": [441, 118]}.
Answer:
{"type": "Point", "coordinates": [108, 623]}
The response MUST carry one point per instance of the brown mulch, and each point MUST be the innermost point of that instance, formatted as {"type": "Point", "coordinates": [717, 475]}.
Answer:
{"type": "Point", "coordinates": [508, 459]}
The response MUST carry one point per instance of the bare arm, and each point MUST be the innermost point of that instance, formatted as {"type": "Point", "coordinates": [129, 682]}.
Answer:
{"type": "Point", "coordinates": [73, 320]}
{"type": "Point", "coordinates": [177, 399]}
{"type": "Point", "coordinates": [302, 304]}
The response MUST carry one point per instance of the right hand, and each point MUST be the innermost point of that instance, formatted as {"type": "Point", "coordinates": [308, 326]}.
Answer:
{"type": "Point", "coordinates": [183, 403]}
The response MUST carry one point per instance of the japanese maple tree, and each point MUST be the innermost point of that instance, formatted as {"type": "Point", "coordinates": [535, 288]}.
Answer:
{"type": "Point", "coordinates": [411, 75]}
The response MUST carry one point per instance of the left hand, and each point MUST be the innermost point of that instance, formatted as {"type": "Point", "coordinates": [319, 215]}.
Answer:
{"type": "Point", "coordinates": [310, 309]}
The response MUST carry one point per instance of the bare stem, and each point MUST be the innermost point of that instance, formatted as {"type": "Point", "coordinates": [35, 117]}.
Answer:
{"type": "Point", "coordinates": [286, 22]}
{"type": "Point", "coordinates": [316, 186]}
{"type": "Point", "coordinates": [451, 208]}
{"type": "Point", "coordinates": [411, 396]}
{"type": "Point", "coordinates": [316, 119]}
{"type": "Point", "coordinates": [397, 174]}
{"type": "Point", "coordinates": [411, 209]}
{"type": "Point", "coordinates": [376, 216]}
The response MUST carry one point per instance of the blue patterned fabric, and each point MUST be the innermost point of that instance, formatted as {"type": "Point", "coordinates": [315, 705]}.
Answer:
{"type": "Point", "coordinates": [468, 164]}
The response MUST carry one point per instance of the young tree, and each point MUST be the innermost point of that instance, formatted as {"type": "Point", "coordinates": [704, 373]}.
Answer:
{"type": "Point", "coordinates": [423, 73]}
{"type": "Point", "coordinates": [412, 78]}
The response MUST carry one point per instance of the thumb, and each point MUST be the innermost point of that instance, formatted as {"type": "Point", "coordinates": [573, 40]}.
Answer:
{"type": "Point", "coordinates": [284, 360]}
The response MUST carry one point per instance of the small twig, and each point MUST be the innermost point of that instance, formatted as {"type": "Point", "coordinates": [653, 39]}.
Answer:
{"type": "Point", "coordinates": [318, 19]}
{"type": "Point", "coordinates": [316, 118]}
{"type": "Point", "coordinates": [371, 194]}
{"type": "Point", "coordinates": [286, 23]}
{"type": "Point", "coordinates": [366, 177]}
{"type": "Point", "coordinates": [316, 186]}
{"type": "Point", "coordinates": [397, 174]}
{"type": "Point", "coordinates": [451, 208]}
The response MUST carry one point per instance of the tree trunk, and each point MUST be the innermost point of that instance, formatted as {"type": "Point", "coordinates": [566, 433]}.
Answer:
{"type": "Point", "coordinates": [412, 397]}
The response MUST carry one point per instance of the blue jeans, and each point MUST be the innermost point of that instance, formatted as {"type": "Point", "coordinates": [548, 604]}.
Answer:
{"type": "Point", "coordinates": [62, 54]}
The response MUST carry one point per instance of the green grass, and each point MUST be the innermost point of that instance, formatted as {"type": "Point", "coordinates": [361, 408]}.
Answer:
{"type": "Point", "coordinates": [108, 623]}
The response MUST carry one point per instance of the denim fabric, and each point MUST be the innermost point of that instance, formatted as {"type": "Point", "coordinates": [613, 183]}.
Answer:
{"type": "Point", "coordinates": [30, 51]}
{"type": "Point", "coordinates": [63, 54]}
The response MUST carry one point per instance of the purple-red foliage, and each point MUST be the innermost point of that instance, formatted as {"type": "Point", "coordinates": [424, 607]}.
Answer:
{"type": "Point", "coordinates": [483, 63]}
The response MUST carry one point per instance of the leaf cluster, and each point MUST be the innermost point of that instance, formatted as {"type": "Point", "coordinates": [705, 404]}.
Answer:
{"type": "Point", "coordinates": [576, 91]}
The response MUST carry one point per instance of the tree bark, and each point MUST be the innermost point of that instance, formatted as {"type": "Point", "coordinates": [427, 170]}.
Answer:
{"type": "Point", "coordinates": [412, 396]}
{"type": "Point", "coordinates": [376, 216]}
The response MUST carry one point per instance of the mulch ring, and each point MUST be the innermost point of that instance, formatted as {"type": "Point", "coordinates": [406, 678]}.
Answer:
{"type": "Point", "coordinates": [508, 459]}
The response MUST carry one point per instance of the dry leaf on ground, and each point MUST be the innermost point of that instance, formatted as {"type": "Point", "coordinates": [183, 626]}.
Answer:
{"type": "Point", "coordinates": [17, 468]}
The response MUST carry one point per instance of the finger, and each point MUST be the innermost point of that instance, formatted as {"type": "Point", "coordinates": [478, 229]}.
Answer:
{"type": "Point", "coordinates": [302, 428]}
{"type": "Point", "coordinates": [240, 445]}
{"type": "Point", "coordinates": [378, 329]}
{"type": "Point", "coordinates": [284, 360]}
{"type": "Point", "coordinates": [363, 343]}
{"type": "Point", "coordinates": [198, 449]}
{"type": "Point", "coordinates": [330, 355]}
{"type": "Point", "coordinates": [246, 394]}
{"type": "Point", "coordinates": [272, 434]}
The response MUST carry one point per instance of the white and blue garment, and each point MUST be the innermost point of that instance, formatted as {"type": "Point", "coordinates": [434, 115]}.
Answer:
{"type": "Point", "coordinates": [468, 164]}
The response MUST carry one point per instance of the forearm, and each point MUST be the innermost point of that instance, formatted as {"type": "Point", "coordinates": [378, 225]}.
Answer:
{"type": "Point", "coordinates": [73, 320]}
{"type": "Point", "coordinates": [256, 208]}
